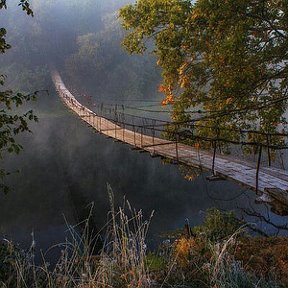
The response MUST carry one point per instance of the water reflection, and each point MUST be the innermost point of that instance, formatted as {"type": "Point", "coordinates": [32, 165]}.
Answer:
{"type": "Point", "coordinates": [65, 166]}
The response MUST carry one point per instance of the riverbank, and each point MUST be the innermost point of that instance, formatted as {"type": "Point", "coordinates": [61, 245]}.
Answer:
{"type": "Point", "coordinates": [218, 253]}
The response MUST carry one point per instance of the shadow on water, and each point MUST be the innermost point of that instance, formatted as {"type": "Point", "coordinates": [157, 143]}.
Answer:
{"type": "Point", "coordinates": [65, 166]}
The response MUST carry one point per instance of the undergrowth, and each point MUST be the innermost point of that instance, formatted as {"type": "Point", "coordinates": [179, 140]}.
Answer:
{"type": "Point", "coordinates": [205, 258]}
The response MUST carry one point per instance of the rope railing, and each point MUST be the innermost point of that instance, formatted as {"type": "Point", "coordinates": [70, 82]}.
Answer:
{"type": "Point", "coordinates": [166, 124]}
{"type": "Point", "coordinates": [157, 128]}
{"type": "Point", "coordinates": [213, 140]}
{"type": "Point", "coordinates": [144, 126]}
{"type": "Point", "coordinates": [192, 122]}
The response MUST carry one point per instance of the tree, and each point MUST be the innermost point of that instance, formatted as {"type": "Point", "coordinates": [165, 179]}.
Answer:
{"type": "Point", "coordinates": [12, 123]}
{"type": "Point", "coordinates": [227, 58]}
{"type": "Point", "coordinates": [98, 61]}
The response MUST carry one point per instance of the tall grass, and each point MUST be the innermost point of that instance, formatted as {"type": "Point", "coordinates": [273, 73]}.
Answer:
{"type": "Point", "coordinates": [123, 260]}
{"type": "Point", "coordinates": [120, 262]}
{"type": "Point", "coordinates": [226, 272]}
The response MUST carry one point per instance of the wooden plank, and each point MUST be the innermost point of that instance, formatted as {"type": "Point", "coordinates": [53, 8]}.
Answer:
{"type": "Point", "coordinates": [243, 172]}
{"type": "Point", "coordinates": [278, 194]}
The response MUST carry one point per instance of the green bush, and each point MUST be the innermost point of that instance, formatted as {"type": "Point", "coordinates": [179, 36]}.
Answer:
{"type": "Point", "coordinates": [6, 269]}
{"type": "Point", "coordinates": [218, 225]}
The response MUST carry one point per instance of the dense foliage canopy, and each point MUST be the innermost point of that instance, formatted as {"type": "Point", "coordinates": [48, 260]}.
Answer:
{"type": "Point", "coordinates": [11, 122]}
{"type": "Point", "coordinates": [226, 58]}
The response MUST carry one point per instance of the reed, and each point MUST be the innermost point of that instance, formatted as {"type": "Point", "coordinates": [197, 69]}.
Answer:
{"type": "Point", "coordinates": [120, 263]}
{"type": "Point", "coordinates": [123, 260]}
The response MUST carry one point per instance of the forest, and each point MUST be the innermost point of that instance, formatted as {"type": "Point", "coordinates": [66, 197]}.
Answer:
{"type": "Point", "coordinates": [195, 88]}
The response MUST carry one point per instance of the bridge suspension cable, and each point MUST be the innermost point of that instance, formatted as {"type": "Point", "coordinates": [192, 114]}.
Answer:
{"type": "Point", "coordinates": [190, 123]}
{"type": "Point", "coordinates": [115, 107]}
{"type": "Point", "coordinates": [148, 136]}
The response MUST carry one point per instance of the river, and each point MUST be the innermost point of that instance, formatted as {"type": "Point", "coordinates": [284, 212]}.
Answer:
{"type": "Point", "coordinates": [65, 166]}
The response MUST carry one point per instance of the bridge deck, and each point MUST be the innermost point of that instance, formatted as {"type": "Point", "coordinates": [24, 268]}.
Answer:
{"type": "Point", "coordinates": [243, 172]}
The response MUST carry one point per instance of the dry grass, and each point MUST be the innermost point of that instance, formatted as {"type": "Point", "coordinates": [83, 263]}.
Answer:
{"type": "Point", "coordinates": [120, 263]}
{"type": "Point", "coordinates": [123, 261]}
{"type": "Point", "coordinates": [264, 256]}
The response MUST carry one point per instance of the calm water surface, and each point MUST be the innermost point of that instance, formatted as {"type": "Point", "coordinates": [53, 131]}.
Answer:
{"type": "Point", "coordinates": [65, 166]}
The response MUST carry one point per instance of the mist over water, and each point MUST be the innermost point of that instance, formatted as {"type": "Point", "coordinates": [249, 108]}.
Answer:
{"type": "Point", "coordinates": [65, 165]}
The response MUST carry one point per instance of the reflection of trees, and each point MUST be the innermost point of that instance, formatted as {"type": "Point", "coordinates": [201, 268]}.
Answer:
{"type": "Point", "coordinates": [66, 162]}
{"type": "Point", "coordinates": [266, 219]}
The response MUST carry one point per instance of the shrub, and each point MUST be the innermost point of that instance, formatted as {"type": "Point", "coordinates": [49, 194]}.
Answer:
{"type": "Point", "coordinates": [218, 225]}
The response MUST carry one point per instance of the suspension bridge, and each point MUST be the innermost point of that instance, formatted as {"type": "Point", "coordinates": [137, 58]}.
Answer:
{"type": "Point", "coordinates": [269, 182]}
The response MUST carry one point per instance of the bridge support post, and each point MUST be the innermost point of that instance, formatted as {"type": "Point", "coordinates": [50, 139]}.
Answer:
{"type": "Point", "coordinates": [258, 168]}
{"type": "Point", "coordinates": [115, 131]}
{"type": "Point", "coordinates": [176, 147]}
{"type": "Point", "coordinates": [123, 123]}
{"type": "Point", "coordinates": [93, 116]}
{"type": "Point", "coordinates": [153, 138]}
{"type": "Point", "coordinates": [268, 150]}
{"type": "Point", "coordinates": [123, 134]}
{"type": "Point", "coordinates": [134, 135]}
{"type": "Point", "coordinates": [115, 122]}
{"type": "Point", "coordinates": [214, 156]}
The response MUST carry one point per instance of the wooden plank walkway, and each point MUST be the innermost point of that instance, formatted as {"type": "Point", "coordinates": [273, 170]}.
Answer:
{"type": "Point", "coordinates": [225, 166]}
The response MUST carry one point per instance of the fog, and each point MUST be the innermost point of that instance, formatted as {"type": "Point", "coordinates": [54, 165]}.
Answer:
{"type": "Point", "coordinates": [65, 165]}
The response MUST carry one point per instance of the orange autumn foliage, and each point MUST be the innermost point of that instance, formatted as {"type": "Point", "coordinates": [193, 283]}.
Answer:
{"type": "Point", "coordinates": [168, 100]}
{"type": "Point", "coordinates": [183, 250]}
{"type": "Point", "coordinates": [162, 88]}
{"type": "Point", "coordinates": [265, 256]}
